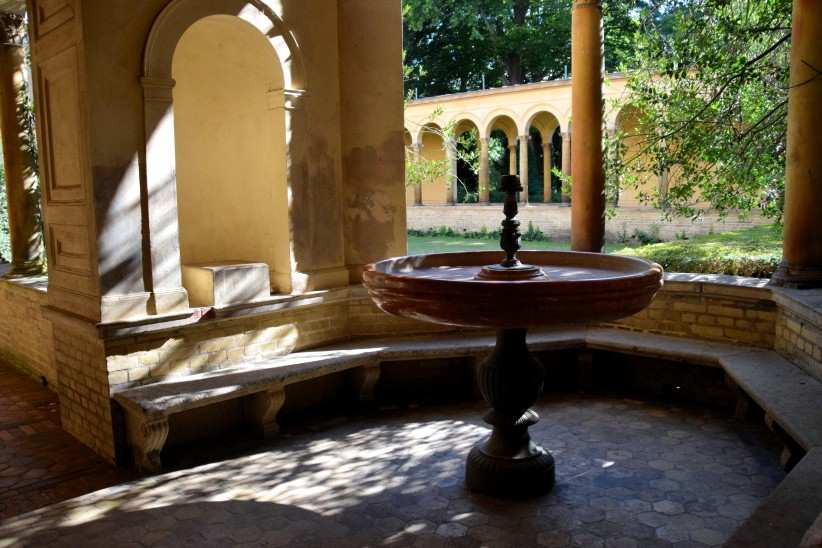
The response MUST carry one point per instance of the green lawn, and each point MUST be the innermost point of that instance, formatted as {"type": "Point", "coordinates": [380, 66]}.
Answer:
{"type": "Point", "coordinates": [752, 252]}
{"type": "Point", "coordinates": [420, 245]}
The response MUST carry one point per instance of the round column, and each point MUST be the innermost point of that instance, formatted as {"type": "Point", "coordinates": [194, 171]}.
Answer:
{"type": "Point", "coordinates": [18, 154]}
{"type": "Point", "coordinates": [451, 152]}
{"type": "Point", "coordinates": [566, 162]}
{"type": "Point", "coordinates": [512, 159]}
{"type": "Point", "coordinates": [801, 265]}
{"type": "Point", "coordinates": [587, 200]}
{"type": "Point", "coordinates": [546, 170]}
{"type": "Point", "coordinates": [418, 188]}
{"type": "Point", "coordinates": [523, 168]}
{"type": "Point", "coordinates": [484, 188]}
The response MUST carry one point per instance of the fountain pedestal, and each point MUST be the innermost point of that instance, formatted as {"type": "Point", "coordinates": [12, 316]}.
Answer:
{"type": "Point", "coordinates": [550, 288]}
{"type": "Point", "coordinates": [509, 462]}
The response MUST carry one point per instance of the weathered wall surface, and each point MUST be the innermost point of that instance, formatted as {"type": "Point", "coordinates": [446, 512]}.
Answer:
{"type": "Point", "coordinates": [555, 220]}
{"type": "Point", "coordinates": [25, 334]}
{"type": "Point", "coordinates": [371, 101]}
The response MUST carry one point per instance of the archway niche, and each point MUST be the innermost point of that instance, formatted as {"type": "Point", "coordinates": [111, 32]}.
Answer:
{"type": "Point", "coordinates": [628, 124]}
{"type": "Point", "coordinates": [466, 132]}
{"type": "Point", "coordinates": [236, 107]}
{"type": "Point", "coordinates": [503, 125]}
{"type": "Point", "coordinates": [229, 124]}
{"type": "Point", "coordinates": [433, 148]}
{"type": "Point", "coordinates": [544, 187]}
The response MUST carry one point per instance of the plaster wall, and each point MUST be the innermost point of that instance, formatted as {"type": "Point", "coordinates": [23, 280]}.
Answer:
{"type": "Point", "coordinates": [372, 136]}
{"type": "Point", "coordinates": [229, 117]}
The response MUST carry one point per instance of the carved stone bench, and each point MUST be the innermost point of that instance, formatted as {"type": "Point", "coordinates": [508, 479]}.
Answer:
{"type": "Point", "coordinates": [789, 397]}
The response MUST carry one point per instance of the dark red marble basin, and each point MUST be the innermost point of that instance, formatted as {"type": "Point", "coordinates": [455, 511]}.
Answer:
{"type": "Point", "coordinates": [577, 288]}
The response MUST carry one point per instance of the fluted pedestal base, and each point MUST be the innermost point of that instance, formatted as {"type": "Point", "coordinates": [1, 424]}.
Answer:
{"type": "Point", "coordinates": [508, 463]}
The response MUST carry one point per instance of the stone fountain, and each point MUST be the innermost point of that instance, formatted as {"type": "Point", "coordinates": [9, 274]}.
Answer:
{"type": "Point", "coordinates": [520, 291]}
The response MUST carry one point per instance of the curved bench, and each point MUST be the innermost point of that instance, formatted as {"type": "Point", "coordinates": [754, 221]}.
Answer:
{"type": "Point", "coordinates": [789, 397]}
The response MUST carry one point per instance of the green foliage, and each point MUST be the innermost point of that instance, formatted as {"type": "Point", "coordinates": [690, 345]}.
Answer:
{"type": "Point", "coordinates": [533, 234]}
{"type": "Point", "coordinates": [710, 95]}
{"type": "Point", "coordinates": [753, 252]}
{"type": "Point", "coordinates": [452, 44]}
{"type": "Point", "coordinates": [647, 237]}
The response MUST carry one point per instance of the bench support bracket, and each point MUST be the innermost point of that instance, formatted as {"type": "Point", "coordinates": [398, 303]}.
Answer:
{"type": "Point", "coordinates": [264, 407]}
{"type": "Point", "coordinates": [147, 437]}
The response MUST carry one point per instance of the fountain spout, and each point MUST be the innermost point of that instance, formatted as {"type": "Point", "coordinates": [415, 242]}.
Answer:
{"type": "Point", "coordinates": [510, 268]}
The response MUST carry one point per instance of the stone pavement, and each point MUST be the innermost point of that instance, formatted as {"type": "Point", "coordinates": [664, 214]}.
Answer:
{"type": "Point", "coordinates": [39, 463]}
{"type": "Point", "coordinates": [630, 474]}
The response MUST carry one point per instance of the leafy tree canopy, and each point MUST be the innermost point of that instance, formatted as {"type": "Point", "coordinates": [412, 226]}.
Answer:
{"type": "Point", "coordinates": [451, 44]}
{"type": "Point", "coordinates": [711, 90]}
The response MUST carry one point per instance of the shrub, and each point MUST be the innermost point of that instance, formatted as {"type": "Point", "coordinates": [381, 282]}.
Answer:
{"type": "Point", "coordinates": [754, 252]}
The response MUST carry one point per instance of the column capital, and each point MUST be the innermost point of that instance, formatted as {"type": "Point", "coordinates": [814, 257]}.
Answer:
{"type": "Point", "coordinates": [587, 4]}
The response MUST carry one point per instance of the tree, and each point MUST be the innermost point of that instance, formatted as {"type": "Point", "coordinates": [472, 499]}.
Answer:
{"type": "Point", "coordinates": [452, 44]}
{"type": "Point", "coordinates": [711, 88]}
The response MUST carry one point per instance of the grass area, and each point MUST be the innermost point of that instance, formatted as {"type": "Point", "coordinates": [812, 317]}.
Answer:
{"type": "Point", "coordinates": [420, 245]}
{"type": "Point", "coordinates": [752, 252]}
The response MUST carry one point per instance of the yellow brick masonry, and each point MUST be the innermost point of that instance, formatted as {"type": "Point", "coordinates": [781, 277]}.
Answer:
{"type": "Point", "coordinates": [86, 368]}
{"type": "Point", "coordinates": [799, 337]}
{"type": "Point", "coordinates": [25, 335]}
{"type": "Point", "coordinates": [708, 315]}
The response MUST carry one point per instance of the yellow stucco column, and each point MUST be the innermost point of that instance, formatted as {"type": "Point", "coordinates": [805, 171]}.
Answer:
{"type": "Point", "coordinates": [484, 187]}
{"type": "Point", "coordinates": [587, 200]}
{"type": "Point", "coordinates": [546, 171]}
{"type": "Point", "coordinates": [451, 154]}
{"type": "Point", "coordinates": [418, 188]}
{"type": "Point", "coordinates": [566, 163]}
{"type": "Point", "coordinates": [523, 168]}
{"type": "Point", "coordinates": [18, 161]}
{"type": "Point", "coordinates": [512, 158]}
{"type": "Point", "coordinates": [801, 265]}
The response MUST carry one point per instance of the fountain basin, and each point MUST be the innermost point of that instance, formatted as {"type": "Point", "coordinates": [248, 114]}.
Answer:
{"type": "Point", "coordinates": [577, 287]}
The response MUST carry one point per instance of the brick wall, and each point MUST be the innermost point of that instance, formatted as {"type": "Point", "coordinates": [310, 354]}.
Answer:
{"type": "Point", "coordinates": [25, 335]}
{"type": "Point", "coordinates": [85, 405]}
{"type": "Point", "coordinates": [555, 220]}
{"type": "Point", "coordinates": [710, 310]}
{"type": "Point", "coordinates": [218, 344]}
{"type": "Point", "coordinates": [799, 329]}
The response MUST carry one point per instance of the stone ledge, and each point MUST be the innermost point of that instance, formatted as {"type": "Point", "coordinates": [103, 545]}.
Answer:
{"type": "Point", "coordinates": [788, 512]}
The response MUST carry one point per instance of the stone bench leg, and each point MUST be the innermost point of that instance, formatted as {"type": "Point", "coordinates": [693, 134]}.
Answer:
{"type": "Point", "coordinates": [365, 381]}
{"type": "Point", "coordinates": [263, 408]}
{"type": "Point", "coordinates": [147, 436]}
{"type": "Point", "coordinates": [792, 453]}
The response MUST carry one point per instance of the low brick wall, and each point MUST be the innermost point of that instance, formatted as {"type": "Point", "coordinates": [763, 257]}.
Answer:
{"type": "Point", "coordinates": [212, 345]}
{"type": "Point", "coordinates": [25, 335]}
{"type": "Point", "coordinates": [87, 362]}
{"type": "Point", "coordinates": [799, 329]}
{"type": "Point", "coordinates": [719, 308]}
{"type": "Point", "coordinates": [555, 220]}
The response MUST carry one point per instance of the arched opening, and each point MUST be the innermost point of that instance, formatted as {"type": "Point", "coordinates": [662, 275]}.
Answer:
{"type": "Point", "coordinates": [230, 142]}
{"type": "Point", "coordinates": [432, 148]}
{"type": "Point", "coordinates": [503, 137]}
{"type": "Point", "coordinates": [543, 185]}
{"type": "Point", "coordinates": [640, 182]}
{"type": "Point", "coordinates": [498, 163]}
{"type": "Point", "coordinates": [466, 134]}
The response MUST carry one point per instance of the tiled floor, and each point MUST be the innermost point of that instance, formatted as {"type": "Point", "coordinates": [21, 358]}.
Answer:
{"type": "Point", "coordinates": [39, 463]}
{"type": "Point", "coordinates": [630, 474]}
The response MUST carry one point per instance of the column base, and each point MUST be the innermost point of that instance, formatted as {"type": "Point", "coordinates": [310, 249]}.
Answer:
{"type": "Point", "coordinates": [528, 476]}
{"type": "Point", "coordinates": [26, 270]}
{"type": "Point", "coordinates": [794, 277]}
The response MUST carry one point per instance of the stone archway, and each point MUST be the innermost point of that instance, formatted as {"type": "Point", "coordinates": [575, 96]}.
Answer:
{"type": "Point", "coordinates": [163, 243]}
